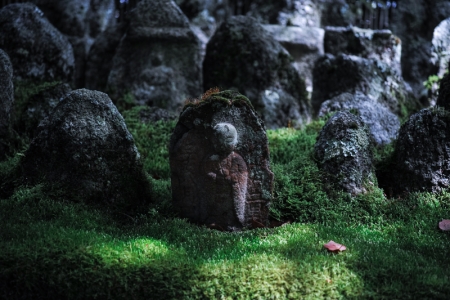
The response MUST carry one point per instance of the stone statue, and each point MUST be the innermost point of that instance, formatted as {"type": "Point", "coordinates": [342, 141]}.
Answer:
{"type": "Point", "coordinates": [219, 161]}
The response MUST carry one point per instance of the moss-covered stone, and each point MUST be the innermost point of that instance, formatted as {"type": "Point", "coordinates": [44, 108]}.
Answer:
{"type": "Point", "coordinates": [38, 51]}
{"type": "Point", "coordinates": [243, 56]}
{"type": "Point", "coordinates": [344, 152]}
{"type": "Point", "coordinates": [383, 124]}
{"type": "Point", "coordinates": [85, 147]}
{"type": "Point", "coordinates": [422, 153]}
{"type": "Point", "coordinates": [334, 75]}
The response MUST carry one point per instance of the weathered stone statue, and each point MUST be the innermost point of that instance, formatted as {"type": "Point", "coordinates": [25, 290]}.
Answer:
{"type": "Point", "coordinates": [226, 176]}
{"type": "Point", "coordinates": [219, 160]}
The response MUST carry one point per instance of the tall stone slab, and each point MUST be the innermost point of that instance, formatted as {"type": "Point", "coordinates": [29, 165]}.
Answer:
{"type": "Point", "coordinates": [219, 160]}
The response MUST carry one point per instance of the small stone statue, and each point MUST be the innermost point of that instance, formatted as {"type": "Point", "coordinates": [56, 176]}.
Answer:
{"type": "Point", "coordinates": [226, 173]}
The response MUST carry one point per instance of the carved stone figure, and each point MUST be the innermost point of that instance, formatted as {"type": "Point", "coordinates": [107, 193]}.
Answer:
{"type": "Point", "coordinates": [219, 161]}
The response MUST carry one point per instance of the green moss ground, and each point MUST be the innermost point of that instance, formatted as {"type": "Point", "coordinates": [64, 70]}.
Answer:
{"type": "Point", "coordinates": [55, 249]}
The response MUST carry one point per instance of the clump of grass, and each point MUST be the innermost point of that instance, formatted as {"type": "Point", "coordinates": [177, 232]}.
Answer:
{"type": "Point", "coordinates": [152, 141]}
{"type": "Point", "coordinates": [54, 248]}
{"type": "Point", "coordinates": [24, 91]}
{"type": "Point", "coordinates": [69, 250]}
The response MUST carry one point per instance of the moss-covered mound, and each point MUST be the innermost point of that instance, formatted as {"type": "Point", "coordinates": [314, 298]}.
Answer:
{"type": "Point", "coordinates": [85, 147]}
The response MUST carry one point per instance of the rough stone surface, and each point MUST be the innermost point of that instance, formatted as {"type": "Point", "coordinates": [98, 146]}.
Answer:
{"type": "Point", "coordinates": [304, 44]}
{"type": "Point", "coordinates": [334, 75]}
{"type": "Point", "coordinates": [85, 146]}
{"type": "Point", "coordinates": [344, 152]}
{"type": "Point", "coordinates": [441, 46]}
{"type": "Point", "coordinates": [242, 55]}
{"type": "Point", "coordinates": [367, 43]}
{"type": "Point", "coordinates": [383, 124]}
{"type": "Point", "coordinates": [219, 161]}
{"type": "Point", "coordinates": [6, 101]}
{"type": "Point", "coordinates": [158, 60]}
{"type": "Point", "coordinates": [38, 51]}
{"type": "Point", "coordinates": [39, 107]}
{"type": "Point", "coordinates": [422, 153]}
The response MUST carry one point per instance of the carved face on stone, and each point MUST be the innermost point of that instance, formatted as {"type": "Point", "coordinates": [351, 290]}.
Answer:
{"type": "Point", "coordinates": [225, 138]}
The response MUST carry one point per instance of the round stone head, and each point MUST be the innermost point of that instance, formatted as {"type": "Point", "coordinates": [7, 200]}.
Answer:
{"type": "Point", "coordinates": [225, 138]}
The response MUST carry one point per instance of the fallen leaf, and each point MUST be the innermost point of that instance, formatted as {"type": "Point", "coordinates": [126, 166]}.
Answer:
{"type": "Point", "coordinates": [444, 225]}
{"type": "Point", "coordinates": [334, 247]}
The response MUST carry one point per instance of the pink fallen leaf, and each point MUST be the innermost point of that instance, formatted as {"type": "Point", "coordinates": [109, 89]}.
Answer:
{"type": "Point", "coordinates": [444, 225]}
{"type": "Point", "coordinates": [334, 247]}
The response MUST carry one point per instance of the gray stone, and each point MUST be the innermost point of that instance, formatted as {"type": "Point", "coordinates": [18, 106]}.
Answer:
{"type": "Point", "coordinates": [6, 102]}
{"type": "Point", "coordinates": [243, 56]}
{"type": "Point", "coordinates": [334, 75]}
{"type": "Point", "coordinates": [344, 152]}
{"type": "Point", "coordinates": [304, 44]}
{"type": "Point", "coordinates": [377, 44]}
{"type": "Point", "coordinates": [38, 51]}
{"type": "Point", "coordinates": [382, 123]}
{"type": "Point", "coordinates": [85, 147]}
{"type": "Point", "coordinates": [219, 161]}
{"type": "Point", "coordinates": [422, 153]}
{"type": "Point", "coordinates": [81, 21]}
{"type": "Point", "coordinates": [158, 60]}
